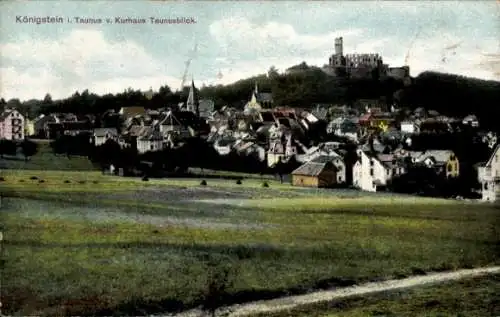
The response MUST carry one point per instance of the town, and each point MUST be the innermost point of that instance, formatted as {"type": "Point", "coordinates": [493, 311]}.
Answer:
{"type": "Point", "coordinates": [306, 191]}
{"type": "Point", "coordinates": [371, 145]}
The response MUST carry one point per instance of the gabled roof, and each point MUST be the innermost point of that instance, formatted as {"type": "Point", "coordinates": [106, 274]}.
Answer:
{"type": "Point", "coordinates": [104, 131]}
{"type": "Point", "coordinates": [325, 159]}
{"type": "Point", "coordinates": [312, 168]}
{"type": "Point", "coordinates": [132, 111]}
{"type": "Point", "coordinates": [6, 113]}
{"type": "Point", "coordinates": [264, 96]}
{"type": "Point", "coordinates": [497, 148]}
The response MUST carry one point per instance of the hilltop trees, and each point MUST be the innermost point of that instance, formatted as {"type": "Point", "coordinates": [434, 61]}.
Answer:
{"type": "Point", "coordinates": [28, 148]}
{"type": "Point", "coordinates": [304, 87]}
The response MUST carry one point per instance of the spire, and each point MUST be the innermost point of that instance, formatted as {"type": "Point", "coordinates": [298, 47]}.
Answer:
{"type": "Point", "coordinates": [192, 103]}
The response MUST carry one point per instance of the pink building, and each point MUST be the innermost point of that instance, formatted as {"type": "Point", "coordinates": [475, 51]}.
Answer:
{"type": "Point", "coordinates": [11, 125]}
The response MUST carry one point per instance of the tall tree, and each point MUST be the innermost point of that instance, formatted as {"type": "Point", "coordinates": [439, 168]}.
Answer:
{"type": "Point", "coordinates": [29, 149]}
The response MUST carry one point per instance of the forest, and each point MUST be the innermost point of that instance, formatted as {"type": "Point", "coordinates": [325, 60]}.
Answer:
{"type": "Point", "coordinates": [446, 93]}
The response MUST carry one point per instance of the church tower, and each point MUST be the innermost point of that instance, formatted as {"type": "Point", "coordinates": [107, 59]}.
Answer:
{"type": "Point", "coordinates": [193, 101]}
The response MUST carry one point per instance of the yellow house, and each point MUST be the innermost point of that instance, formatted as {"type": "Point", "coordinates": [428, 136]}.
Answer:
{"type": "Point", "coordinates": [29, 127]}
{"type": "Point", "coordinates": [452, 166]}
{"type": "Point", "coordinates": [444, 161]}
{"type": "Point", "coordinates": [259, 100]}
{"type": "Point", "coordinates": [313, 174]}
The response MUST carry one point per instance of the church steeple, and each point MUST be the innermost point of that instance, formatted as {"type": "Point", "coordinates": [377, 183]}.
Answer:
{"type": "Point", "coordinates": [193, 103]}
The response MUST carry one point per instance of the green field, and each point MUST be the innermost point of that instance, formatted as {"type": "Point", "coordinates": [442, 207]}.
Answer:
{"type": "Point", "coordinates": [473, 297]}
{"type": "Point", "coordinates": [45, 159]}
{"type": "Point", "coordinates": [83, 243]}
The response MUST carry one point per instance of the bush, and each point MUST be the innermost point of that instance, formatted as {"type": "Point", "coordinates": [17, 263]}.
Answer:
{"type": "Point", "coordinates": [67, 182]}
{"type": "Point", "coordinates": [81, 182]}
{"type": "Point", "coordinates": [2, 179]}
{"type": "Point", "coordinates": [265, 184]}
{"type": "Point", "coordinates": [21, 181]}
{"type": "Point", "coordinates": [33, 178]}
{"type": "Point", "coordinates": [41, 181]}
{"type": "Point", "coordinates": [95, 182]}
{"type": "Point", "coordinates": [203, 183]}
{"type": "Point", "coordinates": [238, 182]}
{"type": "Point", "coordinates": [145, 179]}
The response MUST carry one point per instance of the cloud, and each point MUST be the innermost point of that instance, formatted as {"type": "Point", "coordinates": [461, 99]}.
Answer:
{"type": "Point", "coordinates": [244, 40]}
{"type": "Point", "coordinates": [83, 59]}
{"type": "Point", "coordinates": [237, 48]}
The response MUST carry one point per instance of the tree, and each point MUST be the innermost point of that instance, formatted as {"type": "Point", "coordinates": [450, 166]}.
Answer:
{"type": "Point", "coordinates": [29, 149]}
{"type": "Point", "coordinates": [2, 104]}
{"type": "Point", "coordinates": [272, 73]}
{"type": "Point", "coordinates": [7, 147]}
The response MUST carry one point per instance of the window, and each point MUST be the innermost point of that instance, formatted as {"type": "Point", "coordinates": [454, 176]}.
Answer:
{"type": "Point", "coordinates": [449, 168]}
{"type": "Point", "coordinates": [394, 171]}
{"type": "Point", "coordinates": [340, 179]}
{"type": "Point", "coordinates": [371, 172]}
{"type": "Point", "coordinates": [152, 147]}
{"type": "Point", "coordinates": [485, 186]}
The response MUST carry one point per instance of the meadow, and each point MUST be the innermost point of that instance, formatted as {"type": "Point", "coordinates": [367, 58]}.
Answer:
{"type": "Point", "coordinates": [473, 297]}
{"type": "Point", "coordinates": [83, 243]}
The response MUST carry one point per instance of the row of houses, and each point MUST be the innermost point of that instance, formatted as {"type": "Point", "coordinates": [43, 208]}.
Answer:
{"type": "Point", "coordinates": [277, 134]}
{"type": "Point", "coordinates": [374, 171]}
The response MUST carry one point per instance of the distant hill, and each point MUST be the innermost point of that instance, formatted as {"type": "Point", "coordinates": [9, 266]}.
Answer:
{"type": "Point", "coordinates": [306, 86]}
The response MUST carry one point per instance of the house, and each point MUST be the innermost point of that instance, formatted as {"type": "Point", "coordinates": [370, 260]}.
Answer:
{"type": "Point", "coordinates": [345, 127]}
{"type": "Point", "coordinates": [374, 172]}
{"type": "Point", "coordinates": [489, 177]}
{"type": "Point", "coordinates": [152, 140]}
{"type": "Point", "coordinates": [259, 100]}
{"type": "Point", "coordinates": [338, 162]}
{"type": "Point", "coordinates": [11, 125]}
{"type": "Point", "coordinates": [206, 107]}
{"type": "Point", "coordinates": [248, 148]}
{"type": "Point", "coordinates": [224, 145]}
{"type": "Point", "coordinates": [130, 112]}
{"type": "Point", "coordinates": [315, 174]}
{"type": "Point", "coordinates": [42, 125]}
{"type": "Point", "coordinates": [101, 135]}
{"type": "Point", "coordinates": [280, 149]}
{"type": "Point", "coordinates": [410, 127]}
{"type": "Point", "coordinates": [443, 161]}
{"type": "Point", "coordinates": [176, 122]}
{"type": "Point", "coordinates": [471, 120]}
{"type": "Point", "coordinates": [29, 127]}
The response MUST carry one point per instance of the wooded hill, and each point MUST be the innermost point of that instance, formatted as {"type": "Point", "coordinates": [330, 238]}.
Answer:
{"type": "Point", "coordinates": [446, 93]}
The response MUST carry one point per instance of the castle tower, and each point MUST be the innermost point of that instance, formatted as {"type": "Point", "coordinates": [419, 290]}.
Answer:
{"type": "Point", "coordinates": [339, 46]}
{"type": "Point", "coordinates": [193, 102]}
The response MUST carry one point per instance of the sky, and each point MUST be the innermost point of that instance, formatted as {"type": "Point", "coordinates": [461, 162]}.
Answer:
{"type": "Point", "coordinates": [234, 40]}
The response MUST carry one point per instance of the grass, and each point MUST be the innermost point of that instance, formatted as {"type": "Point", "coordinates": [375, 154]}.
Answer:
{"type": "Point", "coordinates": [45, 159]}
{"type": "Point", "coordinates": [473, 297]}
{"type": "Point", "coordinates": [19, 181]}
{"type": "Point", "coordinates": [88, 249]}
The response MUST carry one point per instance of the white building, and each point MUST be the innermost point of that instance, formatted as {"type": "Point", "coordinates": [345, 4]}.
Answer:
{"type": "Point", "coordinates": [372, 173]}
{"type": "Point", "coordinates": [410, 127]}
{"type": "Point", "coordinates": [150, 142]}
{"type": "Point", "coordinates": [12, 125]}
{"type": "Point", "coordinates": [489, 177]}
{"type": "Point", "coordinates": [101, 135]}
{"type": "Point", "coordinates": [281, 151]}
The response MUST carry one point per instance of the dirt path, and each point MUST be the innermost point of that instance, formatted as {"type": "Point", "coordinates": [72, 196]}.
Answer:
{"type": "Point", "coordinates": [279, 304]}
